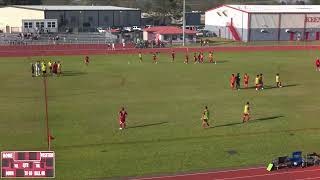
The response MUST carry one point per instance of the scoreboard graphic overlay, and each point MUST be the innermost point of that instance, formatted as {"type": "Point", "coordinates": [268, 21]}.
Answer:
{"type": "Point", "coordinates": [27, 164]}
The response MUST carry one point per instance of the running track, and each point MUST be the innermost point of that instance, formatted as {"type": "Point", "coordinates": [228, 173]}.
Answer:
{"type": "Point", "coordinates": [258, 173]}
{"type": "Point", "coordinates": [90, 49]}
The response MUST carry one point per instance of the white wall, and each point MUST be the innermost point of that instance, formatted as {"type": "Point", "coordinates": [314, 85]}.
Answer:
{"type": "Point", "coordinates": [240, 19]}
{"type": "Point", "coordinates": [264, 21]}
{"type": "Point", "coordinates": [217, 23]}
{"type": "Point", "coordinates": [292, 20]}
{"type": "Point", "coordinates": [11, 16]}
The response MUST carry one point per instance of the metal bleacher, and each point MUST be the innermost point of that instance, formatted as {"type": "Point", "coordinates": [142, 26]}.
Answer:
{"type": "Point", "coordinates": [60, 38]}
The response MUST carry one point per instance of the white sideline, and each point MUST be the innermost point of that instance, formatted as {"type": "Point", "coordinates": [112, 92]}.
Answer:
{"type": "Point", "coordinates": [272, 174]}
{"type": "Point", "coordinates": [309, 178]}
{"type": "Point", "coordinates": [195, 174]}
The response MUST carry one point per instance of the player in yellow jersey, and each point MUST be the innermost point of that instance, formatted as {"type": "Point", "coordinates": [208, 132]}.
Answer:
{"type": "Point", "coordinates": [140, 57]}
{"type": "Point", "coordinates": [278, 82]}
{"type": "Point", "coordinates": [50, 67]}
{"type": "Point", "coordinates": [246, 113]}
{"type": "Point", "coordinates": [257, 82]}
{"type": "Point", "coordinates": [43, 68]}
{"type": "Point", "coordinates": [205, 117]}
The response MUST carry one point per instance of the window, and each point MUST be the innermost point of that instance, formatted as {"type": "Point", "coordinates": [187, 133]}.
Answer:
{"type": "Point", "coordinates": [73, 19]}
{"type": "Point", "coordinates": [166, 37]}
{"type": "Point", "coordinates": [53, 24]}
{"type": "Point", "coordinates": [27, 24]}
{"type": "Point", "coordinates": [174, 37]}
{"type": "Point", "coordinates": [49, 24]}
{"type": "Point", "coordinates": [42, 24]}
{"type": "Point", "coordinates": [181, 37]}
{"type": "Point", "coordinates": [38, 24]}
{"type": "Point", "coordinates": [106, 19]}
{"type": "Point", "coordinates": [190, 37]}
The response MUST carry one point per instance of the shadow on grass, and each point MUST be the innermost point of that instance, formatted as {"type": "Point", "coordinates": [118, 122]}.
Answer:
{"type": "Point", "coordinates": [275, 87]}
{"type": "Point", "coordinates": [251, 121]}
{"type": "Point", "coordinates": [271, 87]}
{"type": "Point", "coordinates": [218, 62]}
{"type": "Point", "coordinates": [147, 125]}
{"type": "Point", "coordinates": [73, 73]}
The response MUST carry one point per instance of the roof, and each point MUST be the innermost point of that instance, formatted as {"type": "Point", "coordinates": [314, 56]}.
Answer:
{"type": "Point", "coordinates": [274, 8]}
{"type": "Point", "coordinates": [168, 30]}
{"type": "Point", "coordinates": [73, 8]}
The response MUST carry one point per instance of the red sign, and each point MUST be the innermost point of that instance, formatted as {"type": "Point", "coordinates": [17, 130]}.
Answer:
{"type": "Point", "coordinates": [27, 164]}
{"type": "Point", "coordinates": [312, 19]}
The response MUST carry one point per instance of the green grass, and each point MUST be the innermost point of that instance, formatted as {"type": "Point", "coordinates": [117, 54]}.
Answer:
{"type": "Point", "coordinates": [164, 103]}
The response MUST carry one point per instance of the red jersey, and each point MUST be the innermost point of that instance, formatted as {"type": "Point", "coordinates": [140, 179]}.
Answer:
{"type": "Point", "coordinates": [154, 57]}
{"type": "Point", "coordinates": [317, 62]}
{"type": "Point", "coordinates": [123, 115]}
{"type": "Point", "coordinates": [172, 54]}
{"type": "Point", "coordinates": [86, 59]}
{"type": "Point", "coordinates": [246, 78]}
{"type": "Point", "coordinates": [232, 79]}
{"type": "Point", "coordinates": [55, 68]}
{"type": "Point", "coordinates": [195, 57]}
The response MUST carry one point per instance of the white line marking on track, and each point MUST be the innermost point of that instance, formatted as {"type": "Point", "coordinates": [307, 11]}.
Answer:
{"type": "Point", "coordinates": [309, 178]}
{"type": "Point", "coordinates": [271, 174]}
{"type": "Point", "coordinates": [195, 174]}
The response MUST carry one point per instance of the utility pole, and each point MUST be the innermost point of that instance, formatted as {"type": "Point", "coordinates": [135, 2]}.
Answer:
{"type": "Point", "coordinates": [46, 108]}
{"type": "Point", "coordinates": [184, 22]}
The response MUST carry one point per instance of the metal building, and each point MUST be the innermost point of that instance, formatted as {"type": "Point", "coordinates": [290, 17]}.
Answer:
{"type": "Point", "coordinates": [72, 18]}
{"type": "Point", "coordinates": [265, 22]}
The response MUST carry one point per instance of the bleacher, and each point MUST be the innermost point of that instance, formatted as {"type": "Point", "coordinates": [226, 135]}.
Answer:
{"type": "Point", "coordinates": [61, 38]}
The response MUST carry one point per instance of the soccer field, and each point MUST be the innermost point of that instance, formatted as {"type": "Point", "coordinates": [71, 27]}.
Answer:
{"type": "Point", "coordinates": [164, 103]}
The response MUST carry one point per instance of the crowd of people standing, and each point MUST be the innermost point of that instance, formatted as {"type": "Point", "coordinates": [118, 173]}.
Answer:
{"type": "Point", "coordinates": [40, 68]}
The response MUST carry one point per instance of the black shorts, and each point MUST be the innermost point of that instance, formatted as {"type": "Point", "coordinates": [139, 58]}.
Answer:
{"type": "Point", "coordinates": [44, 72]}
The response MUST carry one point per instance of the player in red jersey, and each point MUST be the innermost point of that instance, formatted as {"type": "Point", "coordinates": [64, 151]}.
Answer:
{"type": "Point", "coordinates": [195, 59]}
{"type": "Point", "coordinates": [86, 60]}
{"type": "Point", "coordinates": [122, 118]}
{"type": "Point", "coordinates": [199, 57]}
{"type": "Point", "coordinates": [186, 59]}
{"type": "Point", "coordinates": [246, 80]}
{"type": "Point", "coordinates": [173, 54]}
{"type": "Point", "coordinates": [202, 58]}
{"type": "Point", "coordinates": [232, 81]}
{"type": "Point", "coordinates": [211, 57]}
{"type": "Point", "coordinates": [154, 56]}
{"type": "Point", "coordinates": [317, 64]}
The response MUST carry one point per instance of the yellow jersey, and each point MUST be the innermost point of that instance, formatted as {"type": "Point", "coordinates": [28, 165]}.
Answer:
{"type": "Point", "coordinates": [246, 109]}
{"type": "Point", "coordinates": [277, 78]}
{"type": "Point", "coordinates": [49, 64]}
{"type": "Point", "coordinates": [257, 80]}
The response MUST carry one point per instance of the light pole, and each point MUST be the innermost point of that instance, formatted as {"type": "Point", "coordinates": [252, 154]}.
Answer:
{"type": "Point", "coordinates": [184, 22]}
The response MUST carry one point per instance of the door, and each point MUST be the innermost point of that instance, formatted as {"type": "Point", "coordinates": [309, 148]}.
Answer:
{"type": "Point", "coordinates": [291, 36]}
{"type": "Point", "coordinates": [306, 37]}
{"type": "Point", "coordinates": [317, 35]}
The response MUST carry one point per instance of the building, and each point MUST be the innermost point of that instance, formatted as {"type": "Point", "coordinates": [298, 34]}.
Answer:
{"type": "Point", "coordinates": [168, 34]}
{"type": "Point", "coordinates": [66, 18]}
{"type": "Point", "coordinates": [193, 18]}
{"type": "Point", "coordinates": [265, 22]}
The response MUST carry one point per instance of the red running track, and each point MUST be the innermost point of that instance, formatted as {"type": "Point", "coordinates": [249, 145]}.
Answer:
{"type": "Point", "coordinates": [91, 49]}
{"type": "Point", "coordinates": [259, 173]}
